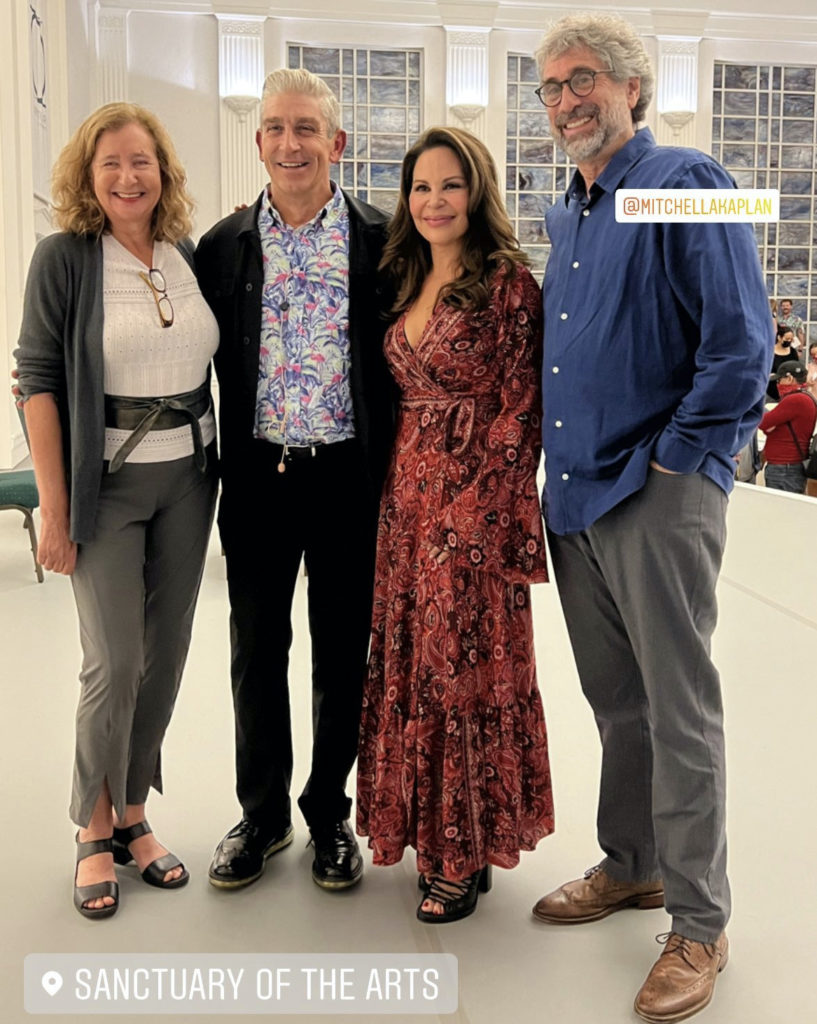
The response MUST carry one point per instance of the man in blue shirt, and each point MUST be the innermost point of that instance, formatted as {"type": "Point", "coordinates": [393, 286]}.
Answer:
{"type": "Point", "coordinates": [657, 351]}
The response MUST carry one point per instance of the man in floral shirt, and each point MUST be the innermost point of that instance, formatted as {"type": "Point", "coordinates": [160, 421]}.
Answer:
{"type": "Point", "coordinates": [790, 319]}
{"type": "Point", "coordinates": [306, 425]}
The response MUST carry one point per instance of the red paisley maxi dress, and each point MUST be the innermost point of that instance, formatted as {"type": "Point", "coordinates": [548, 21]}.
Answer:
{"type": "Point", "coordinates": [453, 754]}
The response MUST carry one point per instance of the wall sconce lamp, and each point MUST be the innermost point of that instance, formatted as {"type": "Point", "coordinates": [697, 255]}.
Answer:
{"type": "Point", "coordinates": [467, 113]}
{"type": "Point", "coordinates": [677, 119]}
{"type": "Point", "coordinates": [242, 106]}
{"type": "Point", "coordinates": [677, 97]}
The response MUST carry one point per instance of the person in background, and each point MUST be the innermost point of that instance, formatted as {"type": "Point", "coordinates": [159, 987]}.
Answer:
{"type": "Point", "coordinates": [639, 464]}
{"type": "Point", "coordinates": [453, 750]}
{"type": "Point", "coordinates": [114, 370]}
{"type": "Point", "coordinates": [789, 427]}
{"type": "Point", "coordinates": [783, 352]}
{"type": "Point", "coordinates": [811, 369]}
{"type": "Point", "coordinates": [306, 420]}
{"type": "Point", "coordinates": [790, 319]}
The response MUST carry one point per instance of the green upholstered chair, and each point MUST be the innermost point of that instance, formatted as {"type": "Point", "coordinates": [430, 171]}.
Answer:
{"type": "Point", "coordinates": [18, 490]}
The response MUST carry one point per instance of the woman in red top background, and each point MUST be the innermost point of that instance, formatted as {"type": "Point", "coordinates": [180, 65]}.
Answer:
{"type": "Point", "coordinates": [788, 428]}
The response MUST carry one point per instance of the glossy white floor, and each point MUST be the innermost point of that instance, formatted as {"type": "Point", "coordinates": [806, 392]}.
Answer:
{"type": "Point", "coordinates": [511, 967]}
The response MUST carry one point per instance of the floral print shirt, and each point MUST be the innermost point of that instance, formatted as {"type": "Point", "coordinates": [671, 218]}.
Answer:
{"type": "Point", "coordinates": [304, 394]}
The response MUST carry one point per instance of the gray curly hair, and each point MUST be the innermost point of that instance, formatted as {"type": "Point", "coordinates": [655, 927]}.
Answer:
{"type": "Point", "coordinates": [613, 40]}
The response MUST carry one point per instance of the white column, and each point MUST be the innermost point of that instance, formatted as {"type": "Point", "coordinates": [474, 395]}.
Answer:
{"type": "Point", "coordinates": [112, 55]}
{"type": "Point", "coordinates": [466, 92]}
{"type": "Point", "coordinates": [677, 92]}
{"type": "Point", "coordinates": [16, 207]}
{"type": "Point", "coordinates": [241, 77]}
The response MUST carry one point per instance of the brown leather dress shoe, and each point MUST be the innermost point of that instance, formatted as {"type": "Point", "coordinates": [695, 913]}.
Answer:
{"type": "Point", "coordinates": [682, 979]}
{"type": "Point", "coordinates": [594, 897]}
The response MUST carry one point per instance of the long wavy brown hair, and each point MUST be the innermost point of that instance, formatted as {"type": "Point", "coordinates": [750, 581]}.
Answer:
{"type": "Point", "coordinates": [76, 207]}
{"type": "Point", "coordinates": [488, 243]}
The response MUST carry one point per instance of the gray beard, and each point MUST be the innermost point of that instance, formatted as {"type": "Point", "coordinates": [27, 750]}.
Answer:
{"type": "Point", "coordinates": [586, 148]}
{"type": "Point", "coordinates": [580, 150]}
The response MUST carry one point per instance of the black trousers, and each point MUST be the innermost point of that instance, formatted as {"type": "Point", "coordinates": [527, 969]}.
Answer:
{"type": "Point", "coordinates": [321, 508]}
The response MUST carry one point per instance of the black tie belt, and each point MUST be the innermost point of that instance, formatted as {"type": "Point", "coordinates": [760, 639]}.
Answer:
{"type": "Point", "coordinates": [141, 415]}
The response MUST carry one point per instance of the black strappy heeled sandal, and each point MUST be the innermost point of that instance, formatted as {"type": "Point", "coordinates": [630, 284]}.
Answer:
{"type": "Point", "coordinates": [97, 890]}
{"type": "Point", "coordinates": [154, 873]}
{"type": "Point", "coordinates": [458, 899]}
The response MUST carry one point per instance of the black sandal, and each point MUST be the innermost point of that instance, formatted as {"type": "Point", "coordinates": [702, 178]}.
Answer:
{"type": "Point", "coordinates": [458, 899]}
{"type": "Point", "coordinates": [154, 873]}
{"type": "Point", "coordinates": [97, 890]}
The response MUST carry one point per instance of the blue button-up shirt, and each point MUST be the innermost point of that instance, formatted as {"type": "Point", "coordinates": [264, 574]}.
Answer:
{"type": "Point", "coordinates": [658, 339]}
{"type": "Point", "coordinates": [304, 391]}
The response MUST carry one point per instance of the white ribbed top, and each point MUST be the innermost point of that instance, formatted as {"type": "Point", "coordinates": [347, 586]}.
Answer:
{"type": "Point", "coordinates": [142, 358]}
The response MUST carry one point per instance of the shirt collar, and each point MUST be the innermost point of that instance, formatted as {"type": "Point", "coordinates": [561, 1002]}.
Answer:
{"type": "Point", "coordinates": [620, 163]}
{"type": "Point", "coordinates": [325, 218]}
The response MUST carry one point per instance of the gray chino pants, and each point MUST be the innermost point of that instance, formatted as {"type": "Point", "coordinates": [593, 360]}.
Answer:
{"type": "Point", "coordinates": [638, 593]}
{"type": "Point", "coordinates": [135, 587]}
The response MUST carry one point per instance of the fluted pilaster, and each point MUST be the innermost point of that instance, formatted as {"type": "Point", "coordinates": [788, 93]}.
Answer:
{"type": "Point", "coordinates": [677, 95]}
{"type": "Point", "coordinates": [112, 55]}
{"type": "Point", "coordinates": [241, 77]}
{"type": "Point", "coordinates": [467, 79]}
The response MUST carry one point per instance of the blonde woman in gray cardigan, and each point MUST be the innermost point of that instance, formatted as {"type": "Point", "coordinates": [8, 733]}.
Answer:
{"type": "Point", "coordinates": [113, 362]}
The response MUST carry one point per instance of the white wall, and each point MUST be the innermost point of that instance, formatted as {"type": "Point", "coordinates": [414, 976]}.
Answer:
{"type": "Point", "coordinates": [770, 552]}
{"type": "Point", "coordinates": [173, 71]}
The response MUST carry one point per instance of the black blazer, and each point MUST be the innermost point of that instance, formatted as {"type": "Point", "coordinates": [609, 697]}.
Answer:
{"type": "Point", "coordinates": [229, 268]}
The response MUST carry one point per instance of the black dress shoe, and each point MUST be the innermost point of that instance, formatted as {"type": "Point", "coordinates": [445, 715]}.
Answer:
{"type": "Point", "coordinates": [241, 855]}
{"type": "Point", "coordinates": [337, 863]}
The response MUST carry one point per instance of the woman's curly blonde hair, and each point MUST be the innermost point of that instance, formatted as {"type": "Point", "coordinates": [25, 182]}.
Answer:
{"type": "Point", "coordinates": [76, 207]}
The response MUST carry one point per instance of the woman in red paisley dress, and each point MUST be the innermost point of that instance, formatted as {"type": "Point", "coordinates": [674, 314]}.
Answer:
{"type": "Point", "coordinates": [453, 755]}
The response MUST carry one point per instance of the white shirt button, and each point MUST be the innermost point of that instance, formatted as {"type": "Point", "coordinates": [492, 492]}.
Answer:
{"type": "Point", "coordinates": [555, 369]}
{"type": "Point", "coordinates": [565, 476]}
{"type": "Point", "coordinates": [563, 316]}
{"type": "Point", "coordinates": [585, 213]}
{"type": "Point", "coordinates": [575, 264]}
{"type": "Point", "coordinates": [558, 423]}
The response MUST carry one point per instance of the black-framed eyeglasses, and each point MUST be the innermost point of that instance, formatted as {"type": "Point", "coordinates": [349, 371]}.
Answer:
{"type": "Point", "coordinates": [155, 280]}
{"type": "Point", "coordinates": [581, 83]}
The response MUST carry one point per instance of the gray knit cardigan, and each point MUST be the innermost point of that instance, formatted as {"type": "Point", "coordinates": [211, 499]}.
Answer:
{"type": "Point", "coordinates": [60, 353]}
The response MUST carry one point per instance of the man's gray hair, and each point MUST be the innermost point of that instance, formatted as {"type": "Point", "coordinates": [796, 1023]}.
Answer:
{"type": "Point", "coordinates": [301, 81]}
{"type": "Point", "coordinates": [613, 40]}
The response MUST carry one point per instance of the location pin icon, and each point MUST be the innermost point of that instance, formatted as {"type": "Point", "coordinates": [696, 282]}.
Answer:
{"type": "Point", "coordinates": [52, 982]}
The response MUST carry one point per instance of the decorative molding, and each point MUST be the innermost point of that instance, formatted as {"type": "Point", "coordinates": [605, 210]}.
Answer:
{"type": "Point", "coordinates": [38, 60]}
{"type": "Point", "coordinates": [670, 45]}
{"type": "Point", "coordinates": [110, 21]}
{"type": "Point", "coordinates": [242, 106]}
{"type": "Point", "coordinates": [458, 37]}
{"type": "Point", "coordinates": [678, 119]}
{"type": "Point", "coordinates": [39, 47]}
{"type": "Point", "coordinates": [465, 13]}
{"type": "Point", "coordinates": [467, 112]}
{"type": "Point", "coordinates": [230, 26]}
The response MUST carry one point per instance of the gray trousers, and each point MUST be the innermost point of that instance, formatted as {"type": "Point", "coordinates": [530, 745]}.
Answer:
{"type": "Point", "coordinates": [135, 587]}
{"type": "Point", "coordinates": [638, 593]}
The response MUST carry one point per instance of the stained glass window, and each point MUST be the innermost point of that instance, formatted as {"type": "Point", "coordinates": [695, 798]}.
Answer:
{"type": "Point", "coordinates": [764, 132]}
{"type": "Point", "coordinates": [380, 92]}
